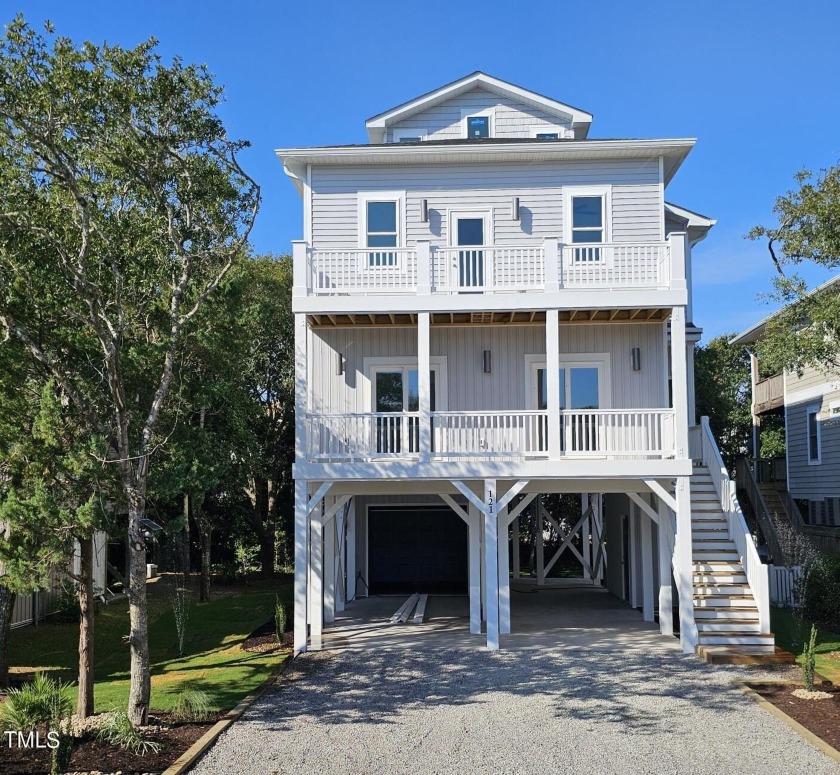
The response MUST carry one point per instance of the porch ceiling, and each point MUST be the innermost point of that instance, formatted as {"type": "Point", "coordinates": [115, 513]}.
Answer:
{"type": "Point", "coordinates": [505, 317]}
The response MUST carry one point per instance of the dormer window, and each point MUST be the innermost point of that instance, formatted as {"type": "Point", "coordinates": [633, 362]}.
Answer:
{"type": "Point", "coordinates": [478, 127]}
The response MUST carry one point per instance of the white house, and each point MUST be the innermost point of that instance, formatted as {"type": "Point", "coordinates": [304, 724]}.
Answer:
{"type": "Point", "coordinates": [484, 299]}
{"type": "Point", "coordinates": [803, 486]}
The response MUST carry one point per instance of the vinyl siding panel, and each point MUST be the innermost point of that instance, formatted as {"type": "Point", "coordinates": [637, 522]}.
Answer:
{"type": "Point", "coordinates": [806, 480]}
{"type": "Point", "coordinates": [510, 118]}
{"type": "Point", "coordinates": [811, 378]}
{"type": "Point", "coordinates": [468, 387]}
{"type": "Point", "coordinates": [636, 202]}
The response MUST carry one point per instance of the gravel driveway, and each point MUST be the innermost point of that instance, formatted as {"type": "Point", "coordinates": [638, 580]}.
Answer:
{"type": "Point", "coordinates": [509, 712]}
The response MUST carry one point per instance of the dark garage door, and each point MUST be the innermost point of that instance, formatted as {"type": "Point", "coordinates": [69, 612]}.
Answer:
{"type": "Point", "coordinates": [416, 549]}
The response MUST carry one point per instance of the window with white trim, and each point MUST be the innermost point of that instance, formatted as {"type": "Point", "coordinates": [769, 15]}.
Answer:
{"type": "Point", "coordinates": [586, 217]}
{"type": "Point", "coordinates": [477, 124]}
{"type": "Point", "coordinates": [812, 434]}
{"type": "Point", "coordinates": [380, 221]}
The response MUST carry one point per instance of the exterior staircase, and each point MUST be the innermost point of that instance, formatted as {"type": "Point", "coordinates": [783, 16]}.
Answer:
{"type": "Point", "coordinates": [725, 609]}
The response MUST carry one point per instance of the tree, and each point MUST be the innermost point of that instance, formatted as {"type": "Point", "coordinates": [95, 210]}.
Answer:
{"type": "Point", "coordinates": [722, 387]}
{"type": "Point", "coordinates": [122, 208]}
{"type": "Point", "coordinates": [806, 332]}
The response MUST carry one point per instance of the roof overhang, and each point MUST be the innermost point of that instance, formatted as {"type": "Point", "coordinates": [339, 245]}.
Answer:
{"type": "Point", "coordinates": [672, 151]}
{"type": "Point", "coordinates": [696, 226]}
{"type": "Point", "coordinates": [378, 125]}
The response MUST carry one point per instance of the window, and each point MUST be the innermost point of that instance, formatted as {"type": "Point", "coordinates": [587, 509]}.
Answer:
{"type": "Point", "coordinates": [812, 430]}
{"type": "Point", "coordinates": [586, 222]}
{"type": "Point", "coordinates": [478, 127]}
{"type": "Point", "coordinates": [380, 226]}
{"type": "Point", "coordinates": [409, 135]}
{"type": "Point", "coordinates": [410, 139]}
{"type": "Point", "coordinates": [547, 136]}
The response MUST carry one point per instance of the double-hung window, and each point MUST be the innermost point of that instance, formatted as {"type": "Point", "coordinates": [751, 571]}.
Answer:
{"type": "Point", "coordinates": [812, 427]}
{"type": "Point", "coordinates": [380, 227]}
{"type": "Point", "coordinates": [587, 222]}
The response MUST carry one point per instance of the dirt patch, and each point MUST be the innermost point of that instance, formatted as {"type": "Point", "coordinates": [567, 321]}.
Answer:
{"type": "Point", "coordinates": [822, 717]}
{"type": "Point", "coordinates": [264, 639]}
{"type": "Point", "coordinates": [92, 755]}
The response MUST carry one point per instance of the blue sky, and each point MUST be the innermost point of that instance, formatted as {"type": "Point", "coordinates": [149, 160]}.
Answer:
{"type": "Point", "coordinates": [755, 82]}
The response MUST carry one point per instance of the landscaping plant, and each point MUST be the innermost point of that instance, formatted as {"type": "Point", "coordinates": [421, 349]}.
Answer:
{"type": "Point", "coordinates": [119, 730]}
{"type": "Point", "coordinates": [809, 660]}
{"type": "Point", "coordinates": [192, 705]}
{"type": "Point", "coordinates": [280, 618]}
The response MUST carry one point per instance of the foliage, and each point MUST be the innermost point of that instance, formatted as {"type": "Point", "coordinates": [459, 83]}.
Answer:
{"type": "Point", "coordinates": [809, 664]}
{"type": "Point", "coordinates": [192, 704]}
{"type": "Point", "coordinates": [807, 331]}
{"type": "Point", "coordinates": [118, 730]}
{"type": "Point", "coordinates": [822, 594]}
{"type": "Point", "coordinates": [280, 618]}
{"type": "Point", "coordinates": [789, 629]}
{"type": "Point", "coordinates": [773, 436]}
{"type": "Point", "coordinates": [122, 208]}
{"type": "Point", "coordinates": [722, 387]}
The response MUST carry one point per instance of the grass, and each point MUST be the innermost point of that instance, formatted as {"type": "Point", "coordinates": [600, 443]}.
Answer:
{"type": "Point", "coordinates": [213, 660]}
{"type": "Point", "coordinates": [791, 633]}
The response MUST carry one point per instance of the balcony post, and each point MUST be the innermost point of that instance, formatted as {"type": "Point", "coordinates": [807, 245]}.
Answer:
{"type": "Point", "coordinates": [679, 381]}
{"type": "Point", "coordinates": [552, 380]}
{"type": "Point", "coordinates": [678, 246]}
{"type": "Point", "coordinates": [551, 248]}
{"type": "Point", "coordinates": [300, 262]}
{"type": "Point", "coordinates": [491, 549]}
{"type": "Point", "coordinates": [424, 387]}
{"type": "Point", "coordinates": [424, 268]}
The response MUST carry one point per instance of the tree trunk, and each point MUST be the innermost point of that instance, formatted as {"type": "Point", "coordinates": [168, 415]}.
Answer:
{"type": "Point", "coordinates": [206, 536]}
{"type": "Point", "coordinates": [185, 541]}
{"type": "Point", "coordinates": [7, 603]}
{"type": "Point", "coordinates": [141, 686]}
{"type": "Point", "coordinates": [85, 594]}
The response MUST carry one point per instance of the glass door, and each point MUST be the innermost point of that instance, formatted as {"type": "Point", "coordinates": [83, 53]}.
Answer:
{"type": "Point", "coordinates": [397, 390]}
{"type": "Point", "coordinates": [469, 231]}
{"type": "Point", "coordinates": [580, 389]}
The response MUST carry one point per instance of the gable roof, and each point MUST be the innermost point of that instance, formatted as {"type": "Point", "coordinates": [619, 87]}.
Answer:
{"type": "Point", "coordinates": [377, 125]}
{"type": "Point", "coordinates": [696, 226]}
{"type": "Point", "coordinates": [755, 333]}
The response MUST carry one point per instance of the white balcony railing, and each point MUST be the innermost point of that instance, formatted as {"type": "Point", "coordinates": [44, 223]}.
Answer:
{"type": "Point", "coordinates": [514, 435]}
{"type": "Point", "coordinates": [486, 268]}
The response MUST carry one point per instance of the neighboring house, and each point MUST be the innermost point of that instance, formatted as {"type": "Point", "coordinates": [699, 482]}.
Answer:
{"type": "Point", "coordinates": [804, 486]}
{"type": "Point", "coordinates": [484, 299]}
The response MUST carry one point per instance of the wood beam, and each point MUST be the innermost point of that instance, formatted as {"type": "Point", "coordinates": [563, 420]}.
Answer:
{"type": "Point", "coordinates": [511, 494]}
{"type": "Point", "coordinates": [456, 507]}
{"type": "Point", "coordinates": [664, 495]}
{"type": "Point", "coordinates": [520, 507]}
{"type": "Point", "coordinates": [470, 495]}
{"type": "Point", "coordinates": [316, 498]}
{"type": "Point", "coordinates": [644, 506]}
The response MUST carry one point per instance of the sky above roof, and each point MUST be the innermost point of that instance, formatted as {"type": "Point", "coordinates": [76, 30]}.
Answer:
{"type": "Point", "coordinates": [755, 81]}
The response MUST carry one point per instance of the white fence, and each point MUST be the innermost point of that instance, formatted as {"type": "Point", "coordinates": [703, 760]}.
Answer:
{"type": "Point", "coordinates": [783, 584]}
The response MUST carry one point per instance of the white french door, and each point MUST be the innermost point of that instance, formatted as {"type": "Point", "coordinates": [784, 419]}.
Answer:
{"type": "Point", "coordinates": [396, 395]}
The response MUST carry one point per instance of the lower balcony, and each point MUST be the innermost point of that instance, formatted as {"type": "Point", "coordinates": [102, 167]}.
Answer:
{"type": "Point", "coordinates": [610, 434]}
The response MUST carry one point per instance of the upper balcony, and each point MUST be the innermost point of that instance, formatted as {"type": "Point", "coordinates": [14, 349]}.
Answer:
{"type": "Point", "coordinates": [769, 394]}
{"type": "Point", "coordinates": [498, 274]}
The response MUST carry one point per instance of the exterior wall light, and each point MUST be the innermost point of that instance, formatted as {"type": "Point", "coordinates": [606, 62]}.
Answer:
{"type": "Point", "coordinates": [516, 208]}
{"type": "Point", "coordinates": [487, 363]}
{"type": "Point", "coordinates": [636, 358]}
{"type": "Point", "coordinates": [339, 364]}
{"type": "Point", "coordinates": [424, 210]}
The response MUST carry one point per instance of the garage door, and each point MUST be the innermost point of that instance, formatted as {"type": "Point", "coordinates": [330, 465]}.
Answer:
{"type": "Point", "coordinates": [416, 549]}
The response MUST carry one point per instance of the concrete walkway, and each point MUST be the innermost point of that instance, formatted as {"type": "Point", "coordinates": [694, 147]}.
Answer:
{"type": "Point", "coordinates": [555, 711]}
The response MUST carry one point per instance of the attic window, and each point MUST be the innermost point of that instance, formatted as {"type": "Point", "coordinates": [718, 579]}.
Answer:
{"type": "Point", "coordinates": [478, 127]}
{"type": "Point", "coordinates": [410, 139]}
{"type": "Point", "coordinates": [547, 136]}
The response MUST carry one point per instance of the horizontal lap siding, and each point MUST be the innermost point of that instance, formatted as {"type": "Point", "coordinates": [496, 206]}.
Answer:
{"type": "Point", "coordinates": [813, 481]}
{"type": "Point", "coordinates": [444, 121]}
{"type": "Point", "coordinates": [636, 198]}
{"type": "Point", "coordinates": [468, 387]}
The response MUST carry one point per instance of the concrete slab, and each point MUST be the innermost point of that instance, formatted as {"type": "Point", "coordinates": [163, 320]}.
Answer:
{"type": "Point", "coordinates": [571, 614]}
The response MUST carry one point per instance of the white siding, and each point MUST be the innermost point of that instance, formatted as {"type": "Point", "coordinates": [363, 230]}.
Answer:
{"type": "Point", "coordinates": [468, 387]}
{"type": "Point", "coordinates": [510, 118]}
{"type": "Point", "coordinates": [636, 204]}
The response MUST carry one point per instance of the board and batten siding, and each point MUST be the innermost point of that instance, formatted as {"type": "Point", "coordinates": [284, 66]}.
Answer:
{"type": "Point", "coordinates": [468, 387]}
{"type": "Point", "coordinates": [637, 213]}
{"type": "Point", "coordinates": [805, 480]}
{"type": "Point", "coordinates": [510, 118]}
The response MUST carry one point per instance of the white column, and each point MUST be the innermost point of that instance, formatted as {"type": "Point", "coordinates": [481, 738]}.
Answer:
{"type": "Point", "coordinates": [551, 249]}
{"type": "Point", "coordinates": [504, 573]}
{"type": "Point", "coordinates": [647, 566]}
{"type": "Point", "coordinates": [552, 381]}
{"type": "Point", "coordinates": [424, 268]}
{"type": "Point", "coordinates": [491, 541]}
{"type": "Point", "coordinates": [633, 560]}
{"type": "Point", "coordinates": [666, 552]}
{"type": "Point", "coordinates": [483, 569]}
{"type": "Point", "coordinates": [516, 549]}
{"type": "Point", "coordinates": [424, 387]}
{"type": "Point", "coordinates": [599, 530]}
{"type": "Point", "coordinates": [692, 394]}
{"type": "Point", "coordinates": [351, 551]}
{"type": "Point", "coordinates": [341, 559]}
{"type": "Point", "coordinates": [585, 532]}
{"type": "Point", "coordinates": [301, 564]}
{"type": "Point", "coordinates": [329, 569]}
{"type": "Point", "coordinates": [316, 592]}
{"type": "Point", "coordinates": [300, 267]}
{"type": "Point", "coordinates": [683, 566]}
{"type": "Point", "coordinates": [539, 543]}
{"type": "Point", "coordinates": [474, 549]}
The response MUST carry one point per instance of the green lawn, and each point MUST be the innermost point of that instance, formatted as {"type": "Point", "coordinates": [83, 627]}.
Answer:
{"type": "Point", "coordinates": [213, 662]}
{"type": "Point", "coordinates": [791, 632]}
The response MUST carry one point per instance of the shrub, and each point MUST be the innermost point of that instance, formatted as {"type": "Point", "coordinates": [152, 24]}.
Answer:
{"type": "Point", "coordinates": [192, 705]}
{"type": "Point", "coordinates": [280, 618]}
{"type": "Point", "coordinates": [809, 662]}
{"type": "Point", "coordinates": [822, 593]}
{"type": "Point", "coordinates": [118, 730]}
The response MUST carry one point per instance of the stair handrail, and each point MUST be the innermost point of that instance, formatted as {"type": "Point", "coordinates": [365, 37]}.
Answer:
{"type": "Point", "coordinates": [746, 480]}
{"type": "Point", "coordinates": [755, 571]}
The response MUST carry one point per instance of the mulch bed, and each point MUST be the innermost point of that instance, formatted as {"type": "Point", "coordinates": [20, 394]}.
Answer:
{"type": "Point", "coordinates": [93, 755]}
{"type": "Point", "coordinates": [822, 717]}
{"type": "Point", "coordinates": [264, 638]}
